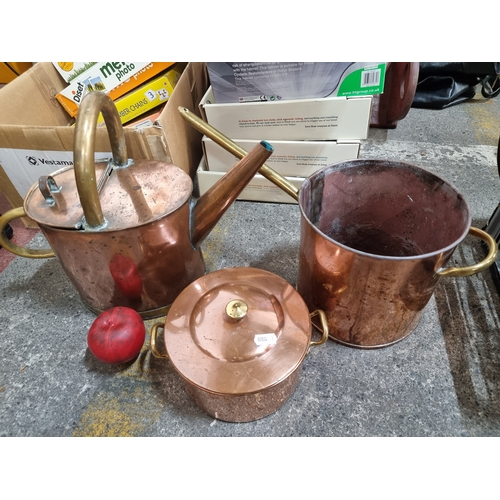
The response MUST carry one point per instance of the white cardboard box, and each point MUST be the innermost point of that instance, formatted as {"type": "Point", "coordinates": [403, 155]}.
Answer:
{"type": "Point", "coordinates": [330, 118]}
{"type": "Point", "coordinates": [258, 189]}
{"type": "Point", "coordinates": [290, 158]}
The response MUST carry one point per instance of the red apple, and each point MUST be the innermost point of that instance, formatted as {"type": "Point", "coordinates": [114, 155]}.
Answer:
{"type": "Point", "coordinates": [117, 335]}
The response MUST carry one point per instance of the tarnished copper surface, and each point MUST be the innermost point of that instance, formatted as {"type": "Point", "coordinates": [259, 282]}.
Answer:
{"type": "Point", "coordinates": [220, 196]}
{"type": "Point", "coordinates": [138, 194]}
{"type": "Point", "coordinates": [374, 236]}
{"type": "Point", "coordinates": [238, 338]}
{"type": "Point", "coordinates": [245, 407]}
{"type": "Point", "coordinates": [127, 233]}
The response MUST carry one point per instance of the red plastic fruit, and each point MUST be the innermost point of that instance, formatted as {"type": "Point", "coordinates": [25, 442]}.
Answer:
{"type": "Point", "coordinates": [117, 335]}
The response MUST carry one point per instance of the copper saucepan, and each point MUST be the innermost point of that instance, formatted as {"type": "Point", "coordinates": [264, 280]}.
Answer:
{"type": "Point", "coordinates": [238, 338]}
{"type": "Point", "coordinates": [127, 233]}
{"type": "Point", "coordinates": [375, 238]}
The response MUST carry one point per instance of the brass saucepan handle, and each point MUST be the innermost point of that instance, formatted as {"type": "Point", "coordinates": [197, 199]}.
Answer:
{"type": "Point", "coordinates": [323, 329]}
{"type": "Point", "coordinates": [17, 213]}
{"type": "Point", "coordinates": [154, 333]}
{"type": "Point", "coordinates": [220, 139]}
{"type": "Point", "coordinates": [479, 267]}
{"type": "Point", "coordinates": [84, 151]}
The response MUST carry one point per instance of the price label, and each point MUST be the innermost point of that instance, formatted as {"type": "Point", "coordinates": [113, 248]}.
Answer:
{"type": "Point", "coordinates": [265, 339]}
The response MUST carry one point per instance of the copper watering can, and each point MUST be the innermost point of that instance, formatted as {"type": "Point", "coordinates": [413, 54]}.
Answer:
{"type": "Point", "coordinates": [375, 239]}
{"type": "Point", "coordinates": [126, 232]}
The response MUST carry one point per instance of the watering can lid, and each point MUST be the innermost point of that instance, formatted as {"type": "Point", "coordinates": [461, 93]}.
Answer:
{"type": "Point", "coordinates": [144, 191]}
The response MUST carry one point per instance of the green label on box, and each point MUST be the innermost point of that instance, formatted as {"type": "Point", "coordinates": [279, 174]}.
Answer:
{"type": "Point", "coordinates": [364, 81]}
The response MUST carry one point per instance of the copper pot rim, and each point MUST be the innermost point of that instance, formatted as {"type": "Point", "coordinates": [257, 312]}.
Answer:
{"type": "Point", "coordinates": [346, 164]}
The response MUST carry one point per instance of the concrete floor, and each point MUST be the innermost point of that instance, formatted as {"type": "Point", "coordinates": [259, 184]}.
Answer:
{"type": "Point", "coordinates": [443, 380]}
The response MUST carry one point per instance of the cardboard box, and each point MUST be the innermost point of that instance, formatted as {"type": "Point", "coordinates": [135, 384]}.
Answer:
{"type": "Point", "coordinates": [275, 81]}
{"type": "Point", "coordinates": [331, 118]}
{"type": "Point", "coordinates": [290, 158]}
{"type": "Point", "coordinates": [33, 124]}
{"type": "Point", "coordinates": [258, 189]}
{"type": "Point", "coordinates": [148, 96]}
{"type": "Point", "coordinates": [11, 70]}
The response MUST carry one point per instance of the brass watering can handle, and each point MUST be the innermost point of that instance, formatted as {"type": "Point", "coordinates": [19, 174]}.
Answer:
{"type": "Point", "coordinates": [479, 267]}
{"type": "Point", "coordinates": [17, 213]}
{"type": "Point", "coordinates": [84, 149]}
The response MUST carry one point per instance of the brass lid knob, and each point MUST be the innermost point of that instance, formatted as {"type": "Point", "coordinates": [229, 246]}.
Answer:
{"type": "Point", "coordinates": [236, 309]}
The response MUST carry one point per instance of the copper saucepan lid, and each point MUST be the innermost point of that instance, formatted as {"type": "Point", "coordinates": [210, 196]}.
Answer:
{"type": "Point", "coordinates": [237, 331]}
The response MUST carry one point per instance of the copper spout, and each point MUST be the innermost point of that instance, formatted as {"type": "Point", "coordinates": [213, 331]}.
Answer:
{"type": "Point", "coordinates": [223, 141]}
{"type": "Point", "coordinates": [213, 204]}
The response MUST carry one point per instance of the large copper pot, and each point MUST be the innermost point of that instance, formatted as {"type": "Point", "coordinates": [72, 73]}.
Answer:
{"type": "Point", "coordinates": [376, 236]}
{"type": "Point", "coordinates": [127, 233]}
{"type": "Point", "coordinates": [238, 338]}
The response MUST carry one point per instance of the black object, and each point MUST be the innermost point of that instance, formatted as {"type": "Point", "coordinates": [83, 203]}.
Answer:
{"type": "Point", "coordinates": [8, 231]}
{"type": "Point", "coordinates": [444, 84]}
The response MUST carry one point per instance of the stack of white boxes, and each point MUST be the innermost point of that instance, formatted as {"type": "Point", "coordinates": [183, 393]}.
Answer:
{"type": "Point", "coordinates": [307, 133]}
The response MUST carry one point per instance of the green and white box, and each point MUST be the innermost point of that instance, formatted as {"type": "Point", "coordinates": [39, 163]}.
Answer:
{"type": "Point", "coordinates": [234, 82]}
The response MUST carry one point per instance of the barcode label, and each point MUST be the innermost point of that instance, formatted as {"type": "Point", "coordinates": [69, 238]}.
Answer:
{"type": "Point", "coordinates": [370, 78]}
{"type": "Point", "coordinates": [265, 339]}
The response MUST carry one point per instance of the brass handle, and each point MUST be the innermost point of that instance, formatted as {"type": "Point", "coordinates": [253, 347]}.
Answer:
{"type": "Point", "coordinates": [152, 342]}
{"type": "Point", "coordinates": [16, 213]}
{"type": "Point", "coordinates": [84, 150]}
{"type": "Point", "coordinates": [479, 267]}
{"type": "Point", "coordinates": [224, 141]}
{"type": "Point", "coordinates": [323, 329]}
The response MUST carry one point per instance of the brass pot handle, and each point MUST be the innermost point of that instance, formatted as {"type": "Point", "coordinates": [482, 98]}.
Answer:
{"type": "Point", "coordinates": [323, 329]}
{"type": "Point", "coordinates": [152, 342]}
{"type": "Point", "coordinates": [84, 151]}
{"type": "Point", "coordinates": [17, 213]}
{"type": "Point", "coordinates": [480, 266]}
